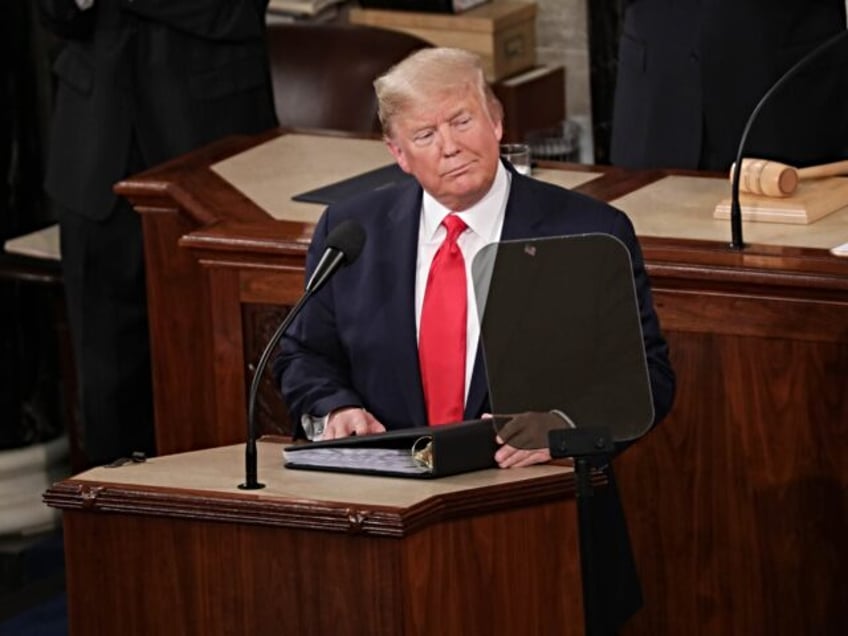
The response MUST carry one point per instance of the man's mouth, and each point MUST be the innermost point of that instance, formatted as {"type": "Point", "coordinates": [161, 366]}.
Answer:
{"type": "Point", "coordinates": [455, 172]}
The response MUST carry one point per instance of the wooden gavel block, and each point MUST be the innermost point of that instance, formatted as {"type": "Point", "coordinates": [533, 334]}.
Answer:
{"type": "Point", "coordinates": [775, 179]}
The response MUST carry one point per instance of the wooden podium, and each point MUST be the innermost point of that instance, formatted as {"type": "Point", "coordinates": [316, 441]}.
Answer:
{"type": "Point", "coordinates": [736, 503]}
{"type": "Point", "coordinates": [172, 546]}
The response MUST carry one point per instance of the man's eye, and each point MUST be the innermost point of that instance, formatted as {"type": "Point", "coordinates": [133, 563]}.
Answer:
{"type": "Point", "coordinates": [423, 138]}
{"type": "Point", "coordinates": [462, 122]}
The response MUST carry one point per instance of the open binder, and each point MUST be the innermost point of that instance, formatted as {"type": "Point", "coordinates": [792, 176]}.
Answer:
{"type": "Point", "coordinates": [422, 452]}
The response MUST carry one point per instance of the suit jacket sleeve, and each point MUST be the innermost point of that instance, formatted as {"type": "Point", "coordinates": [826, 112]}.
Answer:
{"type": "Point", "coordinates": [608, 345]}
{"type": "Point", "coordinates": [211, 19]}
{"type": "Point", "coordinates": [661, 374]}
{"type": "Point", "coordinates": [312, 368]}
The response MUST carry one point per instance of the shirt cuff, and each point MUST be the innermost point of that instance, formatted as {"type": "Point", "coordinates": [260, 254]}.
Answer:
{"type": "Point", "coordinates": [313, 427]}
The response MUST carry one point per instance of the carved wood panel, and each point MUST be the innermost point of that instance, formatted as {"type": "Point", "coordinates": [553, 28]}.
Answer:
{"type": "Point", "coordinates": [259, 323]}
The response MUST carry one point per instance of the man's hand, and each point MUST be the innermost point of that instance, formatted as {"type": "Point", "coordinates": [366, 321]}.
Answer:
{"type": "Point", "coordinates": [525, 437]}
{"type": "Point", "coordinates": [351, 421]}
{"type": "Point", "coordinates": [510, 457]}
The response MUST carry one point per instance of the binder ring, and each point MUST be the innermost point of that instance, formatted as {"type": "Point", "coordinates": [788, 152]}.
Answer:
{"type": "Point", "coordinates": [422, 452]}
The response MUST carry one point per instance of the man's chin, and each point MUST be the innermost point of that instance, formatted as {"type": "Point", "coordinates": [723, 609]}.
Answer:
{"type": "Point", "coordinates": [466, 195]}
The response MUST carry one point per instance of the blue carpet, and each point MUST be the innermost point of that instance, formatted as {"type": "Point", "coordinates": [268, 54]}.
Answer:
{"type": "Point", "coordinates": [50, 618]}
{"type": "Point", "coordinates": [32, 586]}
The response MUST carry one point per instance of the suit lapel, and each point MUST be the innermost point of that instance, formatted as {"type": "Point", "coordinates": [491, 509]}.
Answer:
{"type": "Point", "coordinates": [524, 212]}
{"type": "Point", "coordinates": [402, 253]}
{"type": "Point", "coordinates": [478, 393]}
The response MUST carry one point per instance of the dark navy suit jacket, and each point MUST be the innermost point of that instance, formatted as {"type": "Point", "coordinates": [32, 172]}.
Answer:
{"type": "Point", "coordinates": [355, 342]}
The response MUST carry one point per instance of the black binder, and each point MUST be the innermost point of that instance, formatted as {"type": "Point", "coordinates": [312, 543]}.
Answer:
{"type": "Point", "coordinates": [421, 452]}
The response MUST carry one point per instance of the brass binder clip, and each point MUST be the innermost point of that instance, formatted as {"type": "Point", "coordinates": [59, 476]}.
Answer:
{"type": "Point", "coordinates": [422, 452]}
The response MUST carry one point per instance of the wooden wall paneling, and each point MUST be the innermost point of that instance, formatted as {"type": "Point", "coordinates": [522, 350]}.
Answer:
{"type": "Point", "coordinates": [521, 566]}
{"type": "Point", "coordinates": [282, 285]}
{"type": "Point", "coordinates": [260, 322]}
{"type": "Point", "coordinates": [756, 440]}
{"type": "Point", "coordinates": [219, 578]}
{"type": "Point", "coordinates": [242, 328]}
{"type": "Point", "coordinates": [228, 390]}
{"type": "Point", "coordinates": [267, 296]}
{"type": "Point", "coordinates": [752, 315]}
{"type": "Point", "coordinates": [681, 523]}
{"type": "Point", "coordinates": [180, 333]}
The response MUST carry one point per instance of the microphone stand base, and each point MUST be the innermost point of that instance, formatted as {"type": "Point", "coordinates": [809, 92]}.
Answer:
{"type": "Point", "coordinates": [251, 486]}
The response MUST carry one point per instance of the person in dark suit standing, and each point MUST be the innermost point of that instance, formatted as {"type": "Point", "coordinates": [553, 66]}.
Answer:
{"type": "Point", "coordinates": [138, 82]}
{"type": "Point", "coordinates": [361, 357]}
{"type": "Point", "coordinates": [690, 72]}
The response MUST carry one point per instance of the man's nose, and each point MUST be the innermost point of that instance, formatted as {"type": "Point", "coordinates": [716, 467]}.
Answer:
{"type": "Point", "coordinates": [449, 144]}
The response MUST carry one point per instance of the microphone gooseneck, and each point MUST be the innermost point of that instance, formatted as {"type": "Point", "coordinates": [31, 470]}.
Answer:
{"type": "Point", "coordinates": [736, 241]}
{"type": "Point", "coordinates": [343, 246]}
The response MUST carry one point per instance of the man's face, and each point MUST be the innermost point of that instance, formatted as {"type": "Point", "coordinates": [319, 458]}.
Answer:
{"type": "Point", "coordinates": [450, 144]}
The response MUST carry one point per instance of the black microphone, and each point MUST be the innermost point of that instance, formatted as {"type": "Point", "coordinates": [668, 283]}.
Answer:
{"type": "Point", "coordinates": [736, 241]}
{"type": "Point", "coordinates": [344, 244]}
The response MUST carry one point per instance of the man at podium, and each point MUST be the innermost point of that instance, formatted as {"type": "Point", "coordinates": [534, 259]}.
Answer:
{"type": "Point", "coordinates": [392, 340]}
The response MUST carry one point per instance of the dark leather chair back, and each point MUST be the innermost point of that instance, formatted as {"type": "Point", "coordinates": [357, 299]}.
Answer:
{"type": "Point", "coordinates": [322, 74]}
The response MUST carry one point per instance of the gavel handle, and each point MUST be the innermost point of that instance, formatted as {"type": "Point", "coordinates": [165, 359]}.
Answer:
{"type": "Point", "coordinates": [825, 170]}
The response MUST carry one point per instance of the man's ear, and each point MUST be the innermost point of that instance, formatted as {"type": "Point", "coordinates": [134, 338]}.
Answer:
{"type": "Point", "coordinates": [498, 127]}
{"type": "Point", "coordinates": [496, 114]}
{"type": "Point", "coordinates": [398, 154]}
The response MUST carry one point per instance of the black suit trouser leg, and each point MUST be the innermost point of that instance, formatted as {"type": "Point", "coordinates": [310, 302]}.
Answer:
{"type": "Point", "coordinates": [103, 265]}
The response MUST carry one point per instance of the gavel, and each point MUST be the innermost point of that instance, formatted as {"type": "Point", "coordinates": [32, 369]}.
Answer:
{"type": "Point", "coordinates": [775, 179]}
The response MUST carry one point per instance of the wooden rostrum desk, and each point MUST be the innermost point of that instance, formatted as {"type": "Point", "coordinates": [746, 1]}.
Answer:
{"type": "Point", "coordinates": [172, 546]}
{"type": "Point", "coordinates": [736, 502]}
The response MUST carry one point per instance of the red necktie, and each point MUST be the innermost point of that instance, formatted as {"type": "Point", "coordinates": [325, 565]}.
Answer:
{"type": "Point", "coordinates": [441, 340]}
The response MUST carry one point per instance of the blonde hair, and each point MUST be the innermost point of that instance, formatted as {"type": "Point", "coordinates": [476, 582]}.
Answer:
{"type": "Point", "coordinates": [428, 72]}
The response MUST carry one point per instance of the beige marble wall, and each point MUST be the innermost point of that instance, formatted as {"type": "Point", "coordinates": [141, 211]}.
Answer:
{"type": "Point", "coordinates": [562, 38]}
